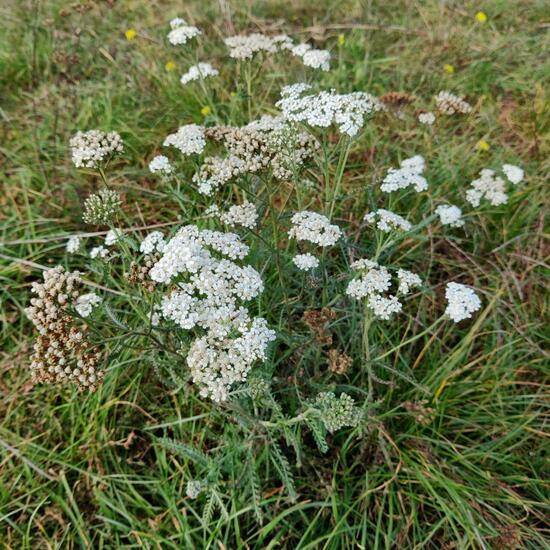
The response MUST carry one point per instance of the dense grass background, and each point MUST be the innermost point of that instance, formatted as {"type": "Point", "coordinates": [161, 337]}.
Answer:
{"type": "Point", "coordinates": [86, 471]}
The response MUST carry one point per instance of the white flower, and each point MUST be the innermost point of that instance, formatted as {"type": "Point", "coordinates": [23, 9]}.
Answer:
{"type": "Point", "coordinates": [73, 244]}
{"type": "Point", "coordinates": [513, 173]}
{"type": "Point", "coordinates": [407, 280]}
{"type": "Point", "coordinates": [195, 487]}
{"type": "Point", "coordinates": [426, 118]}
{"type": "Point", "coordinates": [347, 111]}
{"type": "Point", "coordinates": [112, 236]}
{"type": "Point", "coordinates": [317, 59]}
{"type": "Point", "coordinates": [198, 72]}
{"type": "Point", "coordinates": [91, 148]}
{"type": "Point", "coordinates": [181, 32]}
{"type": "Point", "coordinates": [315, 228]}
{"type": "Point", "coordinates": [153, 242]}
{"type": "Point", "coordinates": [244, 214]}
{"type": "Point", "coordinates": [462, 302]}
{"type": "Point", "coordinates": [488, 186]}
{"type": "Point", "coordinates": [160, 164]}
{"type": "Point", "coordinates": [387, 221]}
{"type": "Point", "coordinates": [189, 139]}
{"type": "Point", "coordinates": [305, 262]}
{"type": "Point", "coordinates": [85, 303]}
{"type": "Point", "coordinates": [244, 47]}
{"type": "Point", "coordinates": [449, 214]}
{"type": "Point", "coordinates": [384, 307]}
{"type": "Point", "coordinates": [408, 174]}
{"type": "Point", "coordinates": [99, 252]}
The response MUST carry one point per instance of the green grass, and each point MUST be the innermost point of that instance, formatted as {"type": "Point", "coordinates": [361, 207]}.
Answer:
{"type": "Point", "coordinates": [81, 470]}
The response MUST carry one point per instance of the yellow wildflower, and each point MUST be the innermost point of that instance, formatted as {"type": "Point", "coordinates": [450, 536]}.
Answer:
{"type": "Point", "coordinates": [481, 17]}
{"type": "Point", "coordinates": [483, 145]}
{"type": "Point", "coordinates": [448, 68]}
{"type": "Point", "coordinates": [205, 111]}
{"type": "Point", "coordinates": [130, 34]}
{"type": "Point", "coordinates": [170, 66]}
{"type": "Point", "coordinates": [341, 39]}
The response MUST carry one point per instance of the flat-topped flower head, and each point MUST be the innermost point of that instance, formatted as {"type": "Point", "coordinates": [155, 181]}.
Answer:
{"type": "Point", "coordinates": [92, 148]}
{"type": "Point", "coordinates": [244, 215]}
{"type": "Point", "coordinates": [245, 46]}
{"type": "Point", "coordinates": [387, 221]}
{"type": "Point", "coordinates": [488, 186]}
{"type": "Point", "coordinates": [160, 165]}
{"type": "Point", "coordinates": [181, 32]}
{"type": "Point", "coordinates": [347, 111]}
{"type": "Point", "coordinates": [305, 262]}
{"type": "Point", "coordinates": [73, 244]}
{"type": "Point", "coordinates": [514, 174]}
{"type": "Point", "coordinates": [462, 302]}
{"type": "Point", "coordinates": [199, 72]}
{"type": "Point", "coordinates": [337, 412]}
{"type": "Point", "coordinates": [315, 228]}
{"type": "Point", "coordinates": [409, 174]}
{"type": "Point", "coordinates": [85, 303]}
{"type": "Point", "coordinates": [449, 214]}
{"type": "Point", "coordinates": [427, 118]}
{"type": "Point", "coordinates": [407, 280]}
{"type": "Point", "coordinates": [189, 139]}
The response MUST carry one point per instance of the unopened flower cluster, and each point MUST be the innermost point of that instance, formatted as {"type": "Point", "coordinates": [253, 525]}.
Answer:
{"type": "Point", "coordinates": [90, 149]}
{"type": "Point", "coordinates": [62, 352]}
{"type": "Point", "coordinates": [101, 207]}
{"type": "Point", "coordinates": [210, 288]}
{"type": "Point", "coordinates": [449, 104]}
{"type": "Point", "coordinates": [337, 412]}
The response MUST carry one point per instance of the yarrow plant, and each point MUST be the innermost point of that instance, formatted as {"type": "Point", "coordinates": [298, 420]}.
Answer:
{"type": "Point", "coordinates": [244, 299]}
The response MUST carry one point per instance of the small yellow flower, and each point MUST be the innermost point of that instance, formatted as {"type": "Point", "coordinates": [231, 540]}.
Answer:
{"type": "Point", "coordinates": [448, 68]}
{"type": "Point", "coordinates": [483, 145]}
{"type": "Point", "coordinates": [205, 111]}
{"type": "Point", "coordinates": [341, 39]}
{"type": "Point", "coordinates": [130, 34]}
{"type": "Point", "coordinates": [170, 66]}
{"type": "Point", "coordinates": [481, 17]}
{"type": "Point", "coordinates": [233, 94]}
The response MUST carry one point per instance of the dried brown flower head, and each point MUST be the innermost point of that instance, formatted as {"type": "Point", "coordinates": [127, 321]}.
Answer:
{"type": "Point", "coordinates": [139, 274]}
{"type": "Point", "coordinates": [62, 351]}
{"type": "Point", "coordinates": [420, 411]}
{"type": "Point", "coordinates": [317, 321]}
{"type": "Point", "coordinates": [397, 99]}
{"type": "Point", "coordinates": [338, 361]}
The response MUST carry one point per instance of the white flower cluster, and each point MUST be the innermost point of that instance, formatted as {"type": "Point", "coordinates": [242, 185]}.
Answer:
{"type": "Point", "coordinates": [305, 262]}
{"type": "Point", "coordinates": [408, 174]}
{"type": "Point", "coordinates": [73, 244]}
{"type": "Point", "coordinates": [374, 282]}
{"type": "Point", "coordinates": [243, 214]}
{"type": "Point", "coordinates": [189, 139]}
{"type": "Point", "coordinates": [99, 252]}
{"type": "Point", "coordinates": [488, 186]}
{"type": "Point", "coordinates": [216, 171]}
{"type": "Point", "coordinates": [245, 46]}
{"type": "Point", "coordinates": [199, 72]}
{"type": "Point", "coordinates": [154, 242]}
{"type": "Point", "coordinates": [387, 221]}
{"type": "Point", "coordinates": [113, 236]}
{"type": "Point", "coordinates": [90, 148]}
{"type": "Point", "coordinates": [208, 295]}
{"type": "Point", "coordinates": [317, 59]}
{"type": "Point", "coordinates": [347, 111]}
{"type": "Point", "coordinates": [426, 118]}
{"type": "Point", "coordinates": [514, 173]}
{"type": "Point", "coordinates": [449, 104]}
{"type": "Point", "coordinates": [160, 164]}
{"type": "Point", "coordinates": [462, 301]}
{"type": "Point", "coordinates": [449, 214]}
{"type": "Point", "coordinates": [181, 32]}
{"type": "Point", "coordinates": [85, 303]}
{"type": "Point", "coordinates": [195, 487]}
{"type": "Point", "coordinates": [315, 228]}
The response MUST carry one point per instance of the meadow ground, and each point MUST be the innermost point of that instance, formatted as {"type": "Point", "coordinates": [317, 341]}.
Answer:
{"type": "Point", "coordinates": [455, 453]}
